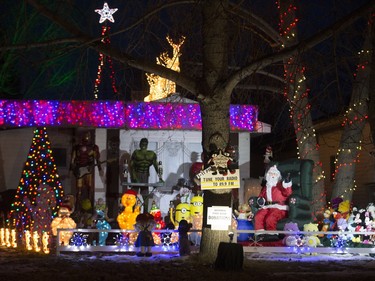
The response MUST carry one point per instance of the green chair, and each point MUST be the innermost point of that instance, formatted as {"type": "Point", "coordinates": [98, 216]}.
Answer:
{"type": "Point", "coordinates": [301, 174]}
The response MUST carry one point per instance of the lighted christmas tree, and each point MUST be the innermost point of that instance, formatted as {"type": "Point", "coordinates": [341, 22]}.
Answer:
{"type": "Point", "coordinates": [40, 191]}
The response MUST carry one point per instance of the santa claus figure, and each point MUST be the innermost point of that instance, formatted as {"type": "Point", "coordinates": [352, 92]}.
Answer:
{"type": "Point", "coordinates": [272, 200]}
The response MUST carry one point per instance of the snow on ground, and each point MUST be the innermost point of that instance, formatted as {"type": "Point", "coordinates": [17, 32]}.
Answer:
{"type": "Point", "coordinates": [22, 265]}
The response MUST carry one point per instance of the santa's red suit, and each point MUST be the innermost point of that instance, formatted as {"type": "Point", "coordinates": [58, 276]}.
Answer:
{"type": "Point", "coordinates": [275, 207]}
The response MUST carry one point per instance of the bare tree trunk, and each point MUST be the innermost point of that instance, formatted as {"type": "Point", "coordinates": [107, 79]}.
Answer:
{"type": "Point", "coordinates": [354, 122]}
{"type": "Point", "coordinates": [296, 94]}
{"type": "Point", "coordinates": [215, 124]}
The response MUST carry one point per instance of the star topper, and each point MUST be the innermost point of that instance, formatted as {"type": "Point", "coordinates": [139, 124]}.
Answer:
{"type": "Point", "coordinates": [106, 13]}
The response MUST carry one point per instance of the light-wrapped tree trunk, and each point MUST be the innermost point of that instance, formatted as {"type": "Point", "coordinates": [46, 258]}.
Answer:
{"type": "Point", "coordinates": [296, 94]}
{"type": "Point", "coordinates": [354, 123]}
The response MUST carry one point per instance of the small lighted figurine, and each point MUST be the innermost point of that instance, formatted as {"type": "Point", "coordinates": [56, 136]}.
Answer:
{"type": "Point", "coordinates": [145, 223]}
{"type": "Point", "coordinates": [101, 223]}
{"type": "Point", "coordinates": [127, 218]}
{"type": "Point", "coordinates": [28, 240]}
{"type": "Point", "coordinates": [36, 241]}
{"type": "Point", "coordinates": [2, 236]}
{"type": "Point", "coordinates": [45, 242]}
{"type": "Point", "coordinates": [13, 238]}
{"type": "Point", "coordinates": [184, 243]}
{"type": "Point", "coordinates": [63, 220]}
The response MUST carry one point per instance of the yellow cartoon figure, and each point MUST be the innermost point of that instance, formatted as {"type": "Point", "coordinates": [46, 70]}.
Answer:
{"type": "Point", "coordinates": [127, 218]}
{"type": "Point", "coordinates": [182, 213]}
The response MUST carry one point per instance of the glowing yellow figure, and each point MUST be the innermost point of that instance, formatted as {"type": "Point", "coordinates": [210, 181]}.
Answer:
{"type": "Point", "coordinates": [2, 236]}
{"type": "Point", "coordinates": [13, 238]}
{"type": "Point", "coordinates": [126, 219]}
{"type": "Point", "coordinates": [45, 241]}
{"type": "Point", "coordinates": [159, 86]}
{"type": "Point", "coordinates": [7, 237]}
{"type": "Point", "coordinates": [28, 240]}
{"type": "Point", "coordinates": [182, 213]}
{"type": "Point", "coordinates": [36, 241]}
{"type": "Point", "coordinates": [63, 221]}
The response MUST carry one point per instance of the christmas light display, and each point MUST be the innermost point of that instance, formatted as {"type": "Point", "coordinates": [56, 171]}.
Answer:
{"type": "Point", "coordinates": [159, 86]}
{"type": "Point", "coordinates": [7, 237]}
{"type": "Point", "coordinates": [297, 95]}
{"type": "Point", "coordinates": [39, 186]}
{"type": "Point", "coordinates": [35, 239]}
{"type": "Point", "coordinates": [105, 14]}
{"type": "Point", "coordinates": [116, 114]}
{"type": "Point", "coordinates": [27, 236]}
{"type": "Point", "coordinates": [79, 240]}
{"type": "Point", "coordinates": [13, 238]}
{"type": "Point", "coordinates": [45, 243]}
{"type": "Point", "coordinates": [2, 236]}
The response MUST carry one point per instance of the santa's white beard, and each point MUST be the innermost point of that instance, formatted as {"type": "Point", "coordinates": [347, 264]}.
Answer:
{"type": "Point", "coordinates": [272, 181]}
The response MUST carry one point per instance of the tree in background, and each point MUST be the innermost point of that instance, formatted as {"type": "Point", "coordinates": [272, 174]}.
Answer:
{"type": "Point", "coordinates": [40, 191]}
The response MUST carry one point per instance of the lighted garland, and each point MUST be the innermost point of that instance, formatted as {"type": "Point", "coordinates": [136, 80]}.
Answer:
{"type": "Point", "coordinates": [117, 114]}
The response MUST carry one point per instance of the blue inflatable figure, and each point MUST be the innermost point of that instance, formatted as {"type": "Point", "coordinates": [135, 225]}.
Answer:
{"type": "Point", "coordinates": [101, 223]}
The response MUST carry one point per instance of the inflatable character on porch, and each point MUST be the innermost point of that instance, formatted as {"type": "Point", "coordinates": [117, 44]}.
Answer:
{"type": "Point", "coordinates": [102, 223]}
{"type": "Point", "coordinates": [184, 243]}
{"type": "Point", "coordinates": [85, 157]}
{"type": "Point", "coordinates": [63, 220]}
{"type": "Point", "coordinates": [145, 223]}
{"type": "Point", "coordinates": [127, 218]}
{"type": "Point", "coordinates": [272, 201]}
{"type": "Point", "coordinates": [141, 161]}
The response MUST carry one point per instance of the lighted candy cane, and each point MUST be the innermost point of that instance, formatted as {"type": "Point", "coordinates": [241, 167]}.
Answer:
{"type": "Point", "coordinates": [2, 236]}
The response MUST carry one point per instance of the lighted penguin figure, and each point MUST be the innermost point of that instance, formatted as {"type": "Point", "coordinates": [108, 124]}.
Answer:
{"type": "Point", "coordinates": [182, 212]}
{"type": "Point", "coordinates": [101, 223]}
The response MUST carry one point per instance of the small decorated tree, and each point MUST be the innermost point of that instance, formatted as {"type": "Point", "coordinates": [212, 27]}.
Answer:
{"type": "Point", "coordinates": [40, 191]}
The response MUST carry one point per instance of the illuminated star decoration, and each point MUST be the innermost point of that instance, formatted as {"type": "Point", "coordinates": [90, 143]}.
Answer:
{"type": "Point", "coordinates": [106, 13]}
